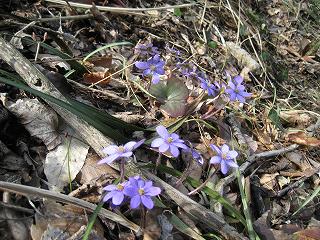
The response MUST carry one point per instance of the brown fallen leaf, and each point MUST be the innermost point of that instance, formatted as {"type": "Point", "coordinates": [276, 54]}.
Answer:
{"type": "Point", "coordinates": [101, 78]}
{"type": "Point", "coordinates": [303, 139]}
{"type": "Point", "coordinates": [307, 234]}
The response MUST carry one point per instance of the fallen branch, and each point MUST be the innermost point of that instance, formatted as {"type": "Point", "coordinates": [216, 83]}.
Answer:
{"type": "Point", "coordinates": [35, 79]}
{"type": "Point", "coordinates": [33, 191]}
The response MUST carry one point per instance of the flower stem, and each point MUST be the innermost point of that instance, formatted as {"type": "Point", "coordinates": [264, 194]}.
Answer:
{"type": "Point", "coordinates": [202, 185]}
{"type": "Point", "coordinates": [122, 163]}
{"type": "Point", "coordinates": [143, 217]}
{"type": "Point", "coordinates": [158, 161]}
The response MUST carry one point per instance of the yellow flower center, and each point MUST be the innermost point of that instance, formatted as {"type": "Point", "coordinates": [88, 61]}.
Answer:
{"type": "Point", "coordinates": [120, 187]}
{"type": "Point", "coordinates": [141, 191]}
{"type": "Point", "coordinates": [170, 139]}
{"type": "Point", "coordinates": [224, 155]}
{"type": "Point", "coordinates": [153, 67]}
{"type": "Point", "coordinates": [121, 149]}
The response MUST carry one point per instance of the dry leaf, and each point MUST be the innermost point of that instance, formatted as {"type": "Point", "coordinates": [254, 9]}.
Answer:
{"type": "Point", "coordinates": [308, 234]}
{"type": "Point", "coordinates": [40, 121]}
{"type": "Point", "coordinates": [303, 139]}
{"type": "Point", "coordinates": [94, 77]}
{"type": "Point", "coordinates": [296, 117]}
{"type": "Point", "coordinates": [92, 171]}
{"type": "Point", "coordinates": [64, 219]}
{"type": "Point", "coordinates": [64, 162]}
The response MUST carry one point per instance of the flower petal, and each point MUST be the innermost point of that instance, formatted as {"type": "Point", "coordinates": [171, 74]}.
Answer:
{"type": "Point", "coordinates": [118, 198]}
{"type": "Point", "coordinates": [147, 202]}
{"type": "Point", "coordinates": [110, 187]}
{"type": "Point", "coordinates": [129, 145]}
{"type": "Point", "coordinates": [130, 191]}
{"type": "Point", "coordinates": [164, 147]}
{"type": "Point", "coordinates": [232, 154]}
{"type": "Point", "coordinates": [225, 149]}
{"type": "Point", "coordinates": [141, 65]}
{"type": "Point", "coordinates": [215, 148]}
{"type": "Point", "coordinates": [109, 159]}
{"type": "Point", "coordinates": [245, 94]}
{"type": "Point", "coordinates": [139, 143]}
{"type": "Point", "coordinates": [126, 154]}
{"type": "Point", "coordinates": [155, 78]}
{"type": "Point", "coordinates": [141, 183]}
{"type": "Point", "coordinates": [231, 163]}
{"type": "Point", "coordinates": [241, 99]}
{"type": "Point", "coordinates": [152, 191]}
{"type": "Point", "coordinates": [163, 132]}
{"type": "Point", "coordinates": [135, 201]}
{"type": "Point", "coordinates": [238, 79]}
{"type": "Point", "coordinates": [180, 145]}
{"type": "Point", "coordinates": [157, 142]}
{"type": "Point", "coordinates": [231, 85]}
{"type": "Point", "coordinates": [108, 196]}
{"type": "Point", "coordinates": [215, 160]}
{"type": "Point", "coordinates": [224, 167]}
{"type": "Point", "coordinates": [174, 150]}
{"type": "Point", "coordinates": [111, 149]}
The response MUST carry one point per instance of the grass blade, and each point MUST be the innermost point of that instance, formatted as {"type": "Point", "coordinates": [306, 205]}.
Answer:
{"type": "Point", "coordinates": [309, 199]}
{"type": "Point", "coordinates": [92, 220]}
{"type": "Point", "coordinates": [105, 47]}
{"type": "Point", "coordinates": [184, 228]}
{"type": "Point", "coordinates": [102, 127]}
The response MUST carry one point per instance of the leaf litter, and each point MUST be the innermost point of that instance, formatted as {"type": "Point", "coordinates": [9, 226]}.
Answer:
{"type": "Point", "coordinates": [196, 97]}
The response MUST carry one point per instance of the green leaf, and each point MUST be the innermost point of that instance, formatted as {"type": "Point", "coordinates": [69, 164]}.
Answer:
{"type": "Point", "coordinates": [274, 117]}
{"type": "Point", "coordinates": [92, 220]}
{"type": "Point", "coordinates": [177, 12]}
{"type": "Point", "coordinates": [173, 96]}
{"type": "Point", "coordinates": [213, 44]}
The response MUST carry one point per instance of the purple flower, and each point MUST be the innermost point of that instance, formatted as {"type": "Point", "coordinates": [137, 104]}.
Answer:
{"type": "Point", "coordinates": [168, 142]}
{"type": "Point", "coordinates": [141, 191]}
{"type": "Point", "coordinates": [115, 193]}
{"type": "Point", "coordinates": [210, 88]}
{"type": "Point", "coordinates": [153, 66]}
{"type": "Point", "coordinates": [236, 90]}
{"type": "Point", "coordinates": [175, 52]}
{"type": "Point", "coordinates": [196, 156]}
{"type": "Point", "coordinates": [146, 49]}
{"type": "Point", "coordinates": [224, 157]}
{"type": "Point", "coordinates": [122, 151]}
{"type": "Point", "coordinates": [187, 69]}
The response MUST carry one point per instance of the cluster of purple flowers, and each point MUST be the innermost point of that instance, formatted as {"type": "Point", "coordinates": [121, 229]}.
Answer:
{"type": "Point", "coordinates": [136, 189]}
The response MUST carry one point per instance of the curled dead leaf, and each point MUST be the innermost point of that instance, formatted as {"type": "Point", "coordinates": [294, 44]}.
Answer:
{"type": "Point", "coordinates": [303, 139]}
{"type": "Point", "coordinates": [94, 77]}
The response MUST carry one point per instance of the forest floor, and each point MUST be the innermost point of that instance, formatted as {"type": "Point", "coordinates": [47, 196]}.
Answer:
{"type": "Point", "coordinates": [235, 83]}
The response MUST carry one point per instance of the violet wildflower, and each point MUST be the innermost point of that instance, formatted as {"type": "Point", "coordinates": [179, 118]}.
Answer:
{"type": "Point", "coordinates": [146, 49]}
{"type": "Point", "coordinates": [210, 88]}
{"type": "Point", "coordinates": [122, 151]}
{"type": "Point", "coordinates": [168, 142]}
{"type": "Point", "coordinates": [224, 157]}
{"type": "Point", "coordinates": [196, 156]}
{"type": "Point", "coordinates": [236, 90]}
{"type": "Point", "coordinates": [141, 191]}
{"type": "Point", "coordinates": [153, 66]}
{"type": "Point", "coordinates": [187, 69]}
{"type": "Point", "coordinates": [115, 193]}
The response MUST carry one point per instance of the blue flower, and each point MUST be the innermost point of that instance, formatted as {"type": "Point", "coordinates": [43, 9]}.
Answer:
{"type": "Point", "coordinates": [168, 142]}
{"type": "Point", "coordinates": [224, 157]}
{"type": "Point", "coordinates": [141, 191]}
{"type": "Point", "coordinates": [152, 67]}
{"type": "Point", "coordinates": [115, 193]}
{"type": "Point", "coordinates": [236, 90]}
{"type": "Point", "coordinates": [122, 151]}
